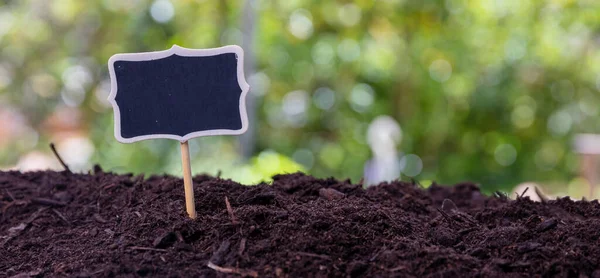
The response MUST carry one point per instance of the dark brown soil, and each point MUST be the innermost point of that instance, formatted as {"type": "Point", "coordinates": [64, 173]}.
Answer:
{"type": "Point", "coordinates": [61, 224]}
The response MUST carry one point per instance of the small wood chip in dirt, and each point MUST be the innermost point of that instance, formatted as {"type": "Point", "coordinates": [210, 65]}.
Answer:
{"type": "Point", "coordinates": [324, 257]}
{"type": "Point", "coordinates": [93, 232]}
{"type": "Point", "coordinates": [233, 270]}
{"type": "Point", "coordinates": [147, 249]}
{"type": "Point", "coordinates": [230, 212]}
{"type": "Point", "coordinates": [182, 246]}
{"type": "Point", "coordinates": [449, 206]}
{"type": "Point", "coordinates": [528, 247]}
{"type": "Point", "coordinates": [12, 198]}
{"type": "Point", "coordinates": [17, 229]}
{"type": "Point", "coordinates": [398, 268]}
{"type": "Point", "coordinates": [99, 218]}
{"type": "Point", "coordinates": [242, 246]}
{"type": "Point", "coordinates": [331, 194]}
{"type": "Point", "coordinates": [63, 196]}
{"type": "Point", "coordinates": [33, 273]}
{"type": "Point", "coordinates": [165, 240]}
{"type": "Point", "coordinates": [62, 217]}
{"type": "Point", "coordinates": [223, 249]}
{"type": "Point", "coordinates": [547, 225]}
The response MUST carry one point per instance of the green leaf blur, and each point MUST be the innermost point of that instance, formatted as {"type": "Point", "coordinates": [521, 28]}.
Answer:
{"type": "Point", "coordinates": [487, 91]}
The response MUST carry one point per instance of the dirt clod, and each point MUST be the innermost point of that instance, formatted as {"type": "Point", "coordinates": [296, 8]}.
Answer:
{"type": "Point", "coordinates": [60, 224]}
{"type": "Point", "coordinates": [165, 240]}
{"type": "Point", "coordinates": [547, 225]}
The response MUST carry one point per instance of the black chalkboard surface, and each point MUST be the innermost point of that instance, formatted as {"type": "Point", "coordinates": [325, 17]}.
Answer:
{"type": "Point", "coordinates": [178, 93]}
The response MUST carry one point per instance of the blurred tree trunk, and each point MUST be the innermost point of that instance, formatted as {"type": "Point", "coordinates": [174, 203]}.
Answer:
{"type": "Point", "coordinates": [248, 140]}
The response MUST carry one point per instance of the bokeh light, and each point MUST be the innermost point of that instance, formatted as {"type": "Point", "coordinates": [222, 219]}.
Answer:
{"type": "Point", "coordinates": [300, 24]}
{"type": "Point", "coordinates": [162, 11]}
{"type": "Point", "coordinates": [411, 165]}
{"type": "Point", "coordinates": [440, 70]}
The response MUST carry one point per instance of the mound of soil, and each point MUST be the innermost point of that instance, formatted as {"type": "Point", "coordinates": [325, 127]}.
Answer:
{"type": "Point", "coordinates": [103, 224]}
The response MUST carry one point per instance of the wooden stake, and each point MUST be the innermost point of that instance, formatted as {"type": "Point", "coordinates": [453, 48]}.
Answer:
{"type": "Point", "coordinates": [187, 180]}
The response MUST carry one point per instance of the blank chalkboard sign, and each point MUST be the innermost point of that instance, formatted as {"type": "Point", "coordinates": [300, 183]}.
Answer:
{"type": "Point", "coordinates": [178, 93]}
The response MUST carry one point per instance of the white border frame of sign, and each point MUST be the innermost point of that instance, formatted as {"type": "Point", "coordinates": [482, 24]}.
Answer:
{"type": "Point", "coordinates": [185, 52]}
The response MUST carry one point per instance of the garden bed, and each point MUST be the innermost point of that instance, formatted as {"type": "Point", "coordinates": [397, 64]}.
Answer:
{"type": "Point", "coordinates": [103, 224]}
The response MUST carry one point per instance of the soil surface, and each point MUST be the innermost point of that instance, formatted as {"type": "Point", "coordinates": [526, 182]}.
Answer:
{"type": "Point", "coordinates": [56, 224]}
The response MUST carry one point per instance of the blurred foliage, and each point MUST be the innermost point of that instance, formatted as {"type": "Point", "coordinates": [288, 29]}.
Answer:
{"type": "Point", "coordinates": [489, 91]}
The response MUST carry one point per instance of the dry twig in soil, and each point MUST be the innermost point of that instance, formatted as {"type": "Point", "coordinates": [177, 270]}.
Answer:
{"type": "Point", "coordinates": [62, 217]}
{"type": "Point", "coordinates": [543, 197]}
{"type": "Point", "coordinates": [233, 270]}
{"type": "Point", "coordinates": [230, 212]}
{"type": "Point", "coordinates": [147, 249]}
{"type": "Point", "coordinates": [59, 158]}
{"type": "Point", "coordinates": [47, 202]}
{"type": "Point", "coordinates": [23, 226]}
{"type": "Point", "coordinates": [524, 191]}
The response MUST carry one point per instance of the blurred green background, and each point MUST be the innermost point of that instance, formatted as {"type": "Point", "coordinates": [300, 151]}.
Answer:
{"type": "Point", "coordinates": [486, 91]}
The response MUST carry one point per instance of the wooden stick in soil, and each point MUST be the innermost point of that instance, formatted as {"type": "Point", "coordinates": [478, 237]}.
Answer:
{"type": "Point", "coordinates": [59, 158]}
{"type": "Point", "coordinates": [187, 180]}
{"type": "Point", "coordinates": [230, 211]}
